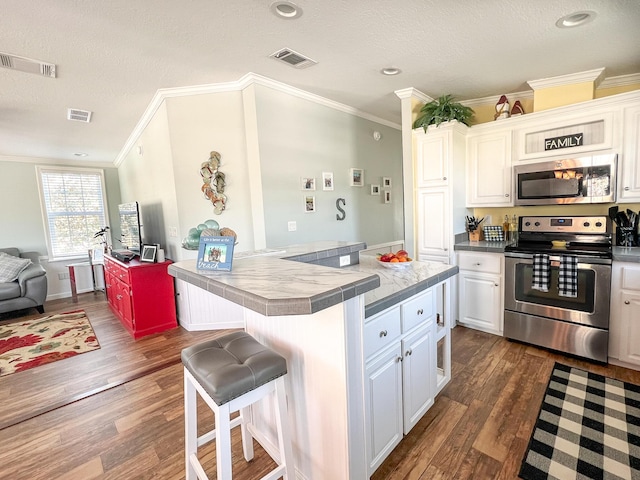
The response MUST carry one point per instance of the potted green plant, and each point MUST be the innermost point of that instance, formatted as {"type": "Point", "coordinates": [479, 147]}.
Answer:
{"type": "Point", "coordinates": [444, 109]}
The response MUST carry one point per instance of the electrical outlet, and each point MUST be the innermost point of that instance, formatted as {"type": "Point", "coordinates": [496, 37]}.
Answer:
{"type": "Point", "coordinates": [292, 226]}
{"type": "Point", "coordinates": [63, 276]}
{"type": "Point", "coordinates": [173, 232]}
{"type": "Point", "coordinates": [345, 260]}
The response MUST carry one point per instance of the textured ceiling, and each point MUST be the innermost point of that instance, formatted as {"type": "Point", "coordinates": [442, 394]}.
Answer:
{"type": "Point", "coordinates": [113, 56]}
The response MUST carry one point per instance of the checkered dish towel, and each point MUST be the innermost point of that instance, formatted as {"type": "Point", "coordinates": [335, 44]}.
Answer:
{"type": "Point", "coordinates": [541, 272]}
{"type": "Point", "coordinates": [568, 276]}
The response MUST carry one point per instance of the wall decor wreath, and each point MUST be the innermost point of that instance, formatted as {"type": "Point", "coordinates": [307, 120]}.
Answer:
{"type": "Point", "coordinates": [213, 182]}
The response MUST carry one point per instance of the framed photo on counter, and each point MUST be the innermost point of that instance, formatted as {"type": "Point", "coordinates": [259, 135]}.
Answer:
{"type": "Point", "coordinates": [148, 253]}
{"type": "Point", "coordinates": [215, 253]}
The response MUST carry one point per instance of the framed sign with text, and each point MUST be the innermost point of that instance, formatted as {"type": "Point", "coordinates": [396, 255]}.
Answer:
{"type": "Point", "coordinates": [215, 253]}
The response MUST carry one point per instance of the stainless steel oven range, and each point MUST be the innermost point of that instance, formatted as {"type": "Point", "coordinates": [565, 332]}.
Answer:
{"type": "Point", "coordinates": [574, 251]}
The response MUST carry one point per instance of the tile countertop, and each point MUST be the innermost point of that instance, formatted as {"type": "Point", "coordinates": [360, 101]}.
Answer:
{"type": "Point", "coordinates": [626, 254]}
{"type": "Point", "coordinates": [398, 285]}
{"type": "Point", "coordinates": [278, 282]}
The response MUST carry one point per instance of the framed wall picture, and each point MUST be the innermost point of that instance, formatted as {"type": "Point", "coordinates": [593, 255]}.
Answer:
{"type": "Point", "coordinates": [309, 204]}
{"type": "Point", "coordinates": [308, 183]}
{"type": "Point", "coordinates": [327, 181]}
{"type": "Point", "coordinates": [386, 182]}
{"type": "Point", "coordinates": [215, 253]}
{"type": "Point", "coordinates": [148, 253]}
{"type": "Point", "coordinates": [387, 196]}
{"type": "Point", "coordinates": [356, 177]}
{"type": "Point", "coordinates": [375, 189]}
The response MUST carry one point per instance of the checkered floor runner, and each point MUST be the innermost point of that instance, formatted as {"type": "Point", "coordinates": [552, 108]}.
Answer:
{"type": "Point", "coordinates": [588, 428]}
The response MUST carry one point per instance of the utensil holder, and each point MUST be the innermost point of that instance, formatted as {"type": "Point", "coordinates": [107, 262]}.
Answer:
{"type": "Point", "coordinates": [626, 237]}
{"type": "Point", "coordinates": [475, 236]}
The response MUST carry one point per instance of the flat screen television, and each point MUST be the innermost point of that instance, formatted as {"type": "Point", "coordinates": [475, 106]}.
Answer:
{"type": "Point", "coordinates": [130, 228]}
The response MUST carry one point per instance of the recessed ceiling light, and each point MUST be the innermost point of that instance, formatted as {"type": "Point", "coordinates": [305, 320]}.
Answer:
{"type": "Point", "coordinates": [576, 19]}
{"type": "Point", "coordinates": [284, 9]}
{"type": "Point", "coordinates": [81, 154]}
{"type": "Point", "coordinates": [390, 71]}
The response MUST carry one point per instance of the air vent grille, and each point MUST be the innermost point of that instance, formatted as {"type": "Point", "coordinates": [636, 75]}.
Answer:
{"type": "Point", "coordinates": [293, 58]}
{"type": "Point", "coordinates": [27, 65]}
{"type": "Point", "coordinates": [79, 115]}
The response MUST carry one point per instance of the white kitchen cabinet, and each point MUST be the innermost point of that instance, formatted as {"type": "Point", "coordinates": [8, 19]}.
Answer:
{"type": "Point", "coordinates": [629, 160]}
{"type": "Point", "coordinates": [481, 291]}
{"type": "Point", "coordinates": [433, 150]}
{"type": "Point", "coordinates": [439, 158]}
{"type": "Point", "coordinates": [418, 374]}
{"type": "Point", "coordinates": [383, 405]}
{"type": "Point", "coordinates": [402, 370]}
{"type": "Point", "coordinates": [489, 175]}
{"type": "Point", "coordinates": [624, 323]}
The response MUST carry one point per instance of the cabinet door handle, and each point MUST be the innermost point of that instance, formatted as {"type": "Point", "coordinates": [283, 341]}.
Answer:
{"type": "Point", "coordinates": [446, 249]}
{"type": "Point", "coordinates": [383, 333]}
{"type": "Point", "coordinates": [408, 352]}
{"type": "Point", "coordinates": [420, 312]}
{"type": "Point", "coordinates": [496, 284]}
{"type": "Point", "coordinates": [398, 359]}
{"type": "Point", "coordinates": [444, 178]}
{"type": "Point", "coordinates": [626, 188]}
{"type": "Point", "coordinates": [627, 302]}
{"type": "Point", "coordinates": [506, 195]}
{"type": "Point", "coordinates": [478, 264]}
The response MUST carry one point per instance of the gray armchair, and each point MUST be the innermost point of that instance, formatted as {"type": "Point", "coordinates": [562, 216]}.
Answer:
{"type": "Point", "coordinates": [29, 290]}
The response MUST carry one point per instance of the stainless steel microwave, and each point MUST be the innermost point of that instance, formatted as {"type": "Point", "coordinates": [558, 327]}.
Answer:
{"type": "Point", "coordinates": [573, 180]}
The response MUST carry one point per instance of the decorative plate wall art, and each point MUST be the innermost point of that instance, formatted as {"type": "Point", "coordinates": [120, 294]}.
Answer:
{"type": "Point", "coordinates": [213, 182]}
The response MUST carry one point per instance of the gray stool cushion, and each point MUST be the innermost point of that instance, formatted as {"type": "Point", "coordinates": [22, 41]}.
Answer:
{"type": "Point", "coordinates": [232, 365]}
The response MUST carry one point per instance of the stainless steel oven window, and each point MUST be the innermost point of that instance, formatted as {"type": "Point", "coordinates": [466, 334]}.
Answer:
{"type": "Point", "coordinates": [584, 302]}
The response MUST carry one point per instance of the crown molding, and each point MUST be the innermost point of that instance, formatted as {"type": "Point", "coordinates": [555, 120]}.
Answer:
{"type": "Point", "coordinates": [55, 162]}
{"type": "Point", "coordinates": [413, 93]}
{"type": "Point", "coordinates": [620, 81]}
{"type": "Point", "coordinates": [493, 99]}
{"type": "Point", "coordinates": [246, 80]}
{"type": "Point", "coordinates": [595, 75]}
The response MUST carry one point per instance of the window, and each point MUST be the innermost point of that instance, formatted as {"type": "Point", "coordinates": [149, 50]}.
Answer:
{"type": "Point", "coordinates": [73, 207]}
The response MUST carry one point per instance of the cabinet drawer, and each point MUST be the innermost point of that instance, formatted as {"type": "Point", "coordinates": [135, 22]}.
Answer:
{"type": "Point", "coordinates": [480, 262]}
{"type": "Point", "coordinates": [381, 331]}
{"type": "Point", "coordinates": [417, 310]}
{"type": "Point", "coordinates": [631, 278]}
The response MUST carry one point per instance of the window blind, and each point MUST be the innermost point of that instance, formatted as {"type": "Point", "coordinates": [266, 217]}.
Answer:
{"type": "Point", "coordinates": [74, 209]}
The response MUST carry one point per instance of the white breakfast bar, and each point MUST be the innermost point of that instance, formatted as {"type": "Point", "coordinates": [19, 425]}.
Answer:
{"type": "Point", "coordinates": [344, 332]}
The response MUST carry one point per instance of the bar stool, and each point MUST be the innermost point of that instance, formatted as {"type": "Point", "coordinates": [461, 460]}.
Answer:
{"type": "Point", "coordinates": [230, 373]}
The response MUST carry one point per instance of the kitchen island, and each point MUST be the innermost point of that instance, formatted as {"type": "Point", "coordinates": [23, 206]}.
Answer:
{"type": "Point", "coordinates": [316, 317]}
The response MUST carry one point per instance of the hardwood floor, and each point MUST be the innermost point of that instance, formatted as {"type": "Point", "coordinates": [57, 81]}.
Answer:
{"type": "Point", "coordinates": [117, 412]}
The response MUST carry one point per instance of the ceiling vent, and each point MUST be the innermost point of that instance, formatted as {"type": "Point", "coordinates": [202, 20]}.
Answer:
{"type": "Point", "coordinates": [28, 65]}
{"type": "Point", "coordinates": [78, 115]}
{"type": "Point", "coordinates": [292, 58]}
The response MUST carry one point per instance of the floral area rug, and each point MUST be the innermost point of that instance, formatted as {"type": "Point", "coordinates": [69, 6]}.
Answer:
{"type": "Point", "coordinates": [29, 343]}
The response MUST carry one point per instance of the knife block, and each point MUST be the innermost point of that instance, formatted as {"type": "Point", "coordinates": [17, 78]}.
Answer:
{"type": "Point", "coordinates": [475, 236]}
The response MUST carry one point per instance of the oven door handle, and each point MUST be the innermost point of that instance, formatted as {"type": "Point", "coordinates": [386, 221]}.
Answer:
{"type": "Point", "coordinates": [556, 258]}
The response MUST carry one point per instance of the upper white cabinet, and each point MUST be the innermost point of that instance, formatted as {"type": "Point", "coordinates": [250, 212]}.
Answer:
{"type": "Point", "coordinates": [433, 150]}
{"type": "Point", "coordinates": [489, 176]}
{"type": "Point", "coordinates": [629, 160]}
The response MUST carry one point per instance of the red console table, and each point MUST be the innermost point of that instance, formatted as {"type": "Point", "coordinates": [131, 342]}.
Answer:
{"type": "Point", "coordinates": [141, 295]}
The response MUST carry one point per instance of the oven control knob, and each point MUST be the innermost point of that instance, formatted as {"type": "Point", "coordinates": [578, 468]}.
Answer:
{"type": "Point", "coordinates": [598, 224]}
{"type": "Point", "coordinates": [586, 224]}
{"type": "Point", "coordinates": [537, 224]}
{"type": "Point", "coordinates": [527, 224]}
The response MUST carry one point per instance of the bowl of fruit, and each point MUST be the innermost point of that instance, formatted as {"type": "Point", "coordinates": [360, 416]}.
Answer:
{"type": "Point", "coordinates": [395, 261]}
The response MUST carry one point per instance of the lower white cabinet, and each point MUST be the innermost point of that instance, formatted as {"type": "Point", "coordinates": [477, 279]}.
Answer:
{"type": "Point", "coordinates": [481, 291]}
{"type": "Point", "coordinates": [624, 328]}
{"type": "Point", "coordinates": [401, 369]}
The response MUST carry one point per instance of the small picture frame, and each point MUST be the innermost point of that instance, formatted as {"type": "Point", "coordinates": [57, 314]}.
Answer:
{"type": "Point", "coordinates": [375, 189]}
{"type": "Point", "coordinates": [327, 181]}
{"type": "Point", "coordinates": [386, 182]}
{"type": "Point", "coordinates": [215, 253]}
{"type": "Point", "coordinates": [309, 204]}
{"type": "Point", "coordinates": [149, 253]}
{"type": "Point", "coordinates": [308, 183]}
{"type": "Point", "coordinates": [356, 177]}
{"type": "Point", "coordinates": [387, 196]}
